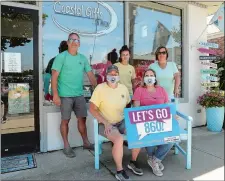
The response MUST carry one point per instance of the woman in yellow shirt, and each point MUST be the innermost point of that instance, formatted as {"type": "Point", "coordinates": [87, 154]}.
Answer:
{"type": "Point", "coordinates": [127, 72]}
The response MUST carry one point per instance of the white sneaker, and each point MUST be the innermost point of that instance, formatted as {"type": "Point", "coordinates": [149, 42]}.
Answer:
{"type": "Point", "coordinates": [155, 166]}
{"type": "Point", "coordinates": [161, 166]}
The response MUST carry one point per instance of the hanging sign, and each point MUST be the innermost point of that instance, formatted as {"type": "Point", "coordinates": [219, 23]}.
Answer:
{"type": "Point", "coordinates": [209, 71]}
{"type": "Point", "coordinates": [211, 84]}
{"type": "Point", "coordinates": [209, 57]}
{"type": "Point", "coordinates": [210, 45]}
{"type": "Point", "coordinates": [212, 78]}
{"type": "Point", "coordinates": [151, 125]}
{"type": "Point", "coordinates": [208, 51]}
{"type": "Point", "coordinates": [213, 65]}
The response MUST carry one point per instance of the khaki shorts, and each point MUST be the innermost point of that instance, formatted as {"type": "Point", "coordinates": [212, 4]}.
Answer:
{"type": "Point", "coordinates": [119, 126]}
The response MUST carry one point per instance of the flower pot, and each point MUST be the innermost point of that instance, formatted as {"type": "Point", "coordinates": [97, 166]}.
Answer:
{"type": "Point", "coordinates": [214, 118]}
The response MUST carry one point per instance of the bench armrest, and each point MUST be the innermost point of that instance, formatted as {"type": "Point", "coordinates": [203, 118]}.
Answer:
{"type": "Point", "coordinates": [185, 117]}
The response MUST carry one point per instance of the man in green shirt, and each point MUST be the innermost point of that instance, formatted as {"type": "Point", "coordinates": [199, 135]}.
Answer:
{"type": "Point", "coordinates": [67, 86]}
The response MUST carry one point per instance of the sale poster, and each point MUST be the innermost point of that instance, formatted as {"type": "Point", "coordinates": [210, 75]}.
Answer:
{"type": "Point", "coordinates": [18, 98]}
{"type": "Point", "coordinates": [151, 125]}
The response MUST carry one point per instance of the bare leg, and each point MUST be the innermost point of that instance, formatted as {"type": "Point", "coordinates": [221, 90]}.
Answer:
{"type": "Point", "coordinates": [135, 152]}
{"type": "Point", "coordinates": [64, 129]}
{"type": "Point", "coordinates": [117, 149]}
{"type": "Point", "coordinates": [83, 130]}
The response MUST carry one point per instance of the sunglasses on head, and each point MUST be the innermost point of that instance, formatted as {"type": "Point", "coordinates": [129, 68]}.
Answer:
{"type": "Point", "coordinates": [71, 40]}
{"type": "Point", "coordinates": [163, 53]}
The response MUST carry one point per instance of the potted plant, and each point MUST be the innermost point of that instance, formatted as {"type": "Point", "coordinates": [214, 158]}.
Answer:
{"type": "Point", "coordinates": [213, 101]}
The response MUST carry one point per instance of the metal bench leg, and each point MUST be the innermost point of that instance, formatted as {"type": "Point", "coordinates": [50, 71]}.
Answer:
{"type": "Point", "coordinates": [100, 148]}
{"type": "Point", "coordinates": [188, 157]}
{"type": "Point", "coordinates": [96, 145]}
{"type": "Point", "coordinates": [96, 156]}
{"type": "Point", "coordinates": [176, 151]}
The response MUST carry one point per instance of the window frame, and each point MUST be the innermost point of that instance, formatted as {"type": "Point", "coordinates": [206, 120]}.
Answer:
{"type": "Point", "coordinates": [183, 7]}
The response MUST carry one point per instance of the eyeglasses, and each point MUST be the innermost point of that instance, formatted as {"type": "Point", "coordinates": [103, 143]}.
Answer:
{"type": "Point", "coordinates": [73, 40]}
{"type": "Point", "coordinates": [164, 53]}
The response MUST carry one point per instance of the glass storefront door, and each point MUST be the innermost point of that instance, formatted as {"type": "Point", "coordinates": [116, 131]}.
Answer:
{"type": "Point", "coordinates": [19, 80]}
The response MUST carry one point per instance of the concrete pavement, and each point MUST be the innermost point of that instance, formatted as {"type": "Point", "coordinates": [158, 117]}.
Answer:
{"type": "Point", "coordinates": [207, 163]}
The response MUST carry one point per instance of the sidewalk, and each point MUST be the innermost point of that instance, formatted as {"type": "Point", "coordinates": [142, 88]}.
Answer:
{"type": "Point", "coordinates": [207, 163]}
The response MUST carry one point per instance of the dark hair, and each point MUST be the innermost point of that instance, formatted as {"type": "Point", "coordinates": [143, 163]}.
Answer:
{"type": "Point", "coordinates": [143, 83]}
{"type": "Point", "coordinates": [157, 51]}
{"type": "Point", "coordinates": [112, 56]}
{"type": "Point", "coordinates": [63, 46]}
{"type": "Point", "coordinates": [73, 34]}
{"type": "Point", "coordinates": [124, 48]}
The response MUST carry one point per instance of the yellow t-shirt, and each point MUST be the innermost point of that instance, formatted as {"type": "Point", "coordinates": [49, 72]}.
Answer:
{"type": "Point", "coordinates": [126, 73]}
{"type": "Point", "coordinates": [111, 102]}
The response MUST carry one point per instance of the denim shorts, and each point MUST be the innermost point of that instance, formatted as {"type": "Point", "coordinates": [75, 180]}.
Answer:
{"type": "Point", "coordinates": [120, 126]}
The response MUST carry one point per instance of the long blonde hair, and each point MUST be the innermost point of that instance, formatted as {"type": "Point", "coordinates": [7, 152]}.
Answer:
{"type": "Point", "coordinates": [142, 80]}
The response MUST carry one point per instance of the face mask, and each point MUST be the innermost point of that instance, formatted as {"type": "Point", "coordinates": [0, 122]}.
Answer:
{"type": "Point", "coordinates": [112, 79]}
{"type": "Point", "coordinates": [149, 80]}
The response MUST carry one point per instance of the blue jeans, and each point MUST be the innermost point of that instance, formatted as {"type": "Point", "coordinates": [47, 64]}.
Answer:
{"type": "Point", "coordinates": [159, 151]}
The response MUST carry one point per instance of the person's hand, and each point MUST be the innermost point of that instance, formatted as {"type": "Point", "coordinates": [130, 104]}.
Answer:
{"type": "Point", "coordinates": [56, 100]}
{"type": "Point", "coordinates": [108, 128]}
{"type": "Point", "coordinates": [176, 92]}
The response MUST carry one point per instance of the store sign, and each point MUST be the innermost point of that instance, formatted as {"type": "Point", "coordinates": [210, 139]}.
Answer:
{"type": "Point", "coordinates": [209, 71]}
{"type": "Point", "coordinates": [213, 65]}
{"type": "Point", "coordinates": [208, 51]}
{"type": "Point", "coordinates": [151, 125]}
{"type": "Point", "coordinates": [211, 84]}
{"type": "Point", "coordinates": [209, 57]}
{"type": "Point", "coordinates": [210, 45]}
{"type": "Point", "coordinates": [86, 12]}
{"type": "Point", "coordinates": [212, 78]}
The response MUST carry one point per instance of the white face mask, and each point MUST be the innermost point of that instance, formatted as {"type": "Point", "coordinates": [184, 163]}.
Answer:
{"type": "Point", "coordinates": [149, 80]}
{"type": "Point", "coordinates": [113, 79]}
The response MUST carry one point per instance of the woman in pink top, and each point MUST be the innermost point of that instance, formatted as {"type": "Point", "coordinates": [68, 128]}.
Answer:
{"type": "Point", "coordinates": [150, 94]}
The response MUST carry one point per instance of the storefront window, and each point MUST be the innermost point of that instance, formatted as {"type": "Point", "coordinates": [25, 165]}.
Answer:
{"type": "Point", "coordinates": [153, 25]}
{"type": "Point", "coordinates": [99, 24]}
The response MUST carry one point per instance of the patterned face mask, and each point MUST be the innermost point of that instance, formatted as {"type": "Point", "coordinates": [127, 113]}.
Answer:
{"type": "Point", "coordinates": [113, 79]}
{"type": "Point", "coordinates": [149, 80]}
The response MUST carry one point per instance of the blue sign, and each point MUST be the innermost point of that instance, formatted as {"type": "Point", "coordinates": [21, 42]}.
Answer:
{"type": "Point", "coordinates": [151, 125]}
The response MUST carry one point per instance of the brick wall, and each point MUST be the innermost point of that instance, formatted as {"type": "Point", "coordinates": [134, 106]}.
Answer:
{"type": "Point", "coordinates": [220, 41]}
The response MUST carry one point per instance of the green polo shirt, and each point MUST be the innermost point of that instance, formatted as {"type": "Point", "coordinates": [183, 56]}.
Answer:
{"type": "Point", "coordinates": [71, 73]}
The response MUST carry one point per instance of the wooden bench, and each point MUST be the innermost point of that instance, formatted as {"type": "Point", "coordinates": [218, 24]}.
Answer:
{"type": "Point", "coordinates": [185, 135]}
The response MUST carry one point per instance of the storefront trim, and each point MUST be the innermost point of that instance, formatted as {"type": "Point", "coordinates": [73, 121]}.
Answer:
{"type": "Point", "coordinates": [22, 5]}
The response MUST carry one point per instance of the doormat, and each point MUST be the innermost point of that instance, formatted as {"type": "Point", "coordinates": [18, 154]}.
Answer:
{"type": "Point", "coordinates": [16, 163]}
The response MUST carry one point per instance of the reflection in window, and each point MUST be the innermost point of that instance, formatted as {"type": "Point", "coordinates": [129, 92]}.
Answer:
{"type": "Point", "coordinates": [162, 28]}
{"type": "Point", "coordinates": [17, 75]}
{"type": "Point", "coordinates": [25, 2]}
{"type": "Point", "coordinates": [100, 26]}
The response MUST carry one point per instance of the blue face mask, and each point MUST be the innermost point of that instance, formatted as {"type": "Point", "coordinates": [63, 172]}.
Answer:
{"type": "Point", "coordinates": [112, 79]}
{"type": "Point", "coordinates": [149, 80]}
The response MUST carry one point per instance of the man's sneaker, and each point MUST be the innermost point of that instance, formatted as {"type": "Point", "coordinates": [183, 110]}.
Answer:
{"type": "Point", "coordinates": [122, 175]}
{"type": "Point", "coordinates": [69, 152]}
{"type": "Point", "coordinates": [135, 168]}
{"type": "Point", "coordinates": [155, 166]}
